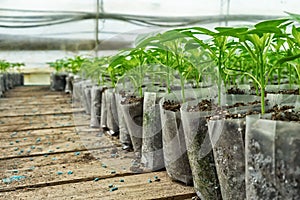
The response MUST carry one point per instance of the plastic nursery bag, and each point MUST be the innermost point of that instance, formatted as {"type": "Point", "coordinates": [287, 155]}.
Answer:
{"type": "Point", "coordinates": [174, 147]}
{"type": "Point", "coordinates": [85, 95]}
{"type": "Point", "coordinates": [112, 114]}
{"type": "Point", "coordinates": [69, 86]}
{"type": "Point", "coordinates": [272, 159]}
{"type": "Point", "coordinates": [2, 87]}
{"type": "Point", "coordinates": [199, 151]}
{"type": "Point", "coordinates": [96, 93]}
{"type": "Point", "coordinates": [133, 117]}
{"type": "Point", "coordinates": [152, 148]}
{"type": "Point", "coordinates": [123, 131]}
{"type": "Point", "coordinates": [58, 81]}
{"type": "Point", "coordinates": [87, 99]}
{"type": "Point", "coordinates": [212, 152]}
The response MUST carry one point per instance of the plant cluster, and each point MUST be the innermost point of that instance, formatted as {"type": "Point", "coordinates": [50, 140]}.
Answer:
{"type": "Point", "coordinates": [71, 65]}
{"type": "Point", "coordinates": [265, 53]}
{"type": "Point", "coordinates": [6, 66]}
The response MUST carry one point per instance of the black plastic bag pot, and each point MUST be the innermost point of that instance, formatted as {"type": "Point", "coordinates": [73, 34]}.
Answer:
{"type": "Point", "coordinates": [10, 84]}
{"type": "Point", "coordinates": [152, 148]}
{"type": "Point", "coordinates": [13, 80]}
{"type": "Point", "coordinates": [58, 81]}
{"type": "Point", "coordinates": [5, 80]}
{"type": "Point", "coordinates": [199, 151]}
{"type": "Point", "coordinates": [16, 79]}
{"type": "Point", "coordinates": [2, 85]}
{"type": "Point", "coordinates": [96, 93]}
{"type": "Point", "coordinates": [272, 159]}
{"type": "Point", "coordinates": [133, 117]}
{"type": "Point", "coordinates": [21, 79]}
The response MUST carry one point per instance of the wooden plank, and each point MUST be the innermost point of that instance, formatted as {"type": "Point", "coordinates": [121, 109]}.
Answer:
{"type": "Point", "coordinates": [50, 141]}
{"type": "Point", "coordinates": [34, 107]}
{"type": "Point", "coordinates": [31, 94]}
{"type": "Point", "coordinates": [36, 118]}
{"type": "Point", "coordinates": [5, 103]}
{"type": "Point", "coordinates": [45, 111]}
{"type": "Point", "coordinates": [133, 187]}
{"type": "Point", "coordinates": [28, 127]}
{"type": "Point", "coordinates": [31, 91]}
{"type": "Point", "coordinates": [32, 88]}
{"type": "Point", "coordinates": [45, 168]}
{"type": "Point", "coordinates": [45, 98]}
{"type": "Point", "coordinates": [35, 133]}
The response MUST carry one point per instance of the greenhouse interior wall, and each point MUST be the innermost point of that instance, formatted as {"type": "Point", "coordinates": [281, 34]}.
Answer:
{"type": "Point", "coordinates": [52, 148]}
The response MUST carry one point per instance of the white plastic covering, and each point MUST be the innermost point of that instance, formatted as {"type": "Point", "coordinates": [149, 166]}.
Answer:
{"type": "Point", "coordinates": [17, 42]}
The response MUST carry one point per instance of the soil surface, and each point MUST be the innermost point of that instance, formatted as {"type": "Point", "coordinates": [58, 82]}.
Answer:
{"type": "Point", "coordinates": [285, 113]}
{"type": "Point", "coordinates": [235, 91]}
{"type": "Point", "coordinates": [48, 151]}
{"type": "Point", "coordinates": [295, 92]}
{"type": "Point", "coordinates": [207, 105]}
{"type": "Point", "coordinates": [131, 99]}
{"type": "Point", "coordinates": [171, 106]}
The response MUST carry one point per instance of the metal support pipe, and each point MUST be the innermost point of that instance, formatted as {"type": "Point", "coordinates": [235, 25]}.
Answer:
{"type": "Point", "coordinates": [97, 27]}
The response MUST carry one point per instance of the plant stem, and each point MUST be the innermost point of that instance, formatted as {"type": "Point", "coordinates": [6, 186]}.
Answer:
{"type": "Point", "coordinates": [219, 77]}
{"type": "Point", "coordinates": [168, 73]}
{"type": "Point", "coordinates": [263, 84]}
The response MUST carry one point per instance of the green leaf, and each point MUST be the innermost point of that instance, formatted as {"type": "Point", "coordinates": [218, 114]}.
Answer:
{"type": "Point", "coordinates": [287, 59]}
{"type": "Point", "coordinates": [261, 30]}
{"type": "Point", "coordinates": [294, 16]}
{"type": "Point", "coordinates": [228, 31]}
{"type": "Point", "coordinates": [223, 29]}
{"type": "Point", "coordinates": [191, 44]}
{"type": "Point", "coordinates": [198, 30]}
{"type": "Point", "coordinates": [270, 23]}
{"type": "Point", "coordinates": [171, 35]}
{"type": "Point", "coordinates": [296, 34]}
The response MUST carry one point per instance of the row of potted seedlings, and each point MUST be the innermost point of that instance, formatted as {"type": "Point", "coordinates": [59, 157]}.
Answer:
{"type": "Point", "coordinates": [10, 76]}
{"type": "Point", "coordinates": [218, 109]}
{"type": "Point", "coordinates": [65, 70]}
